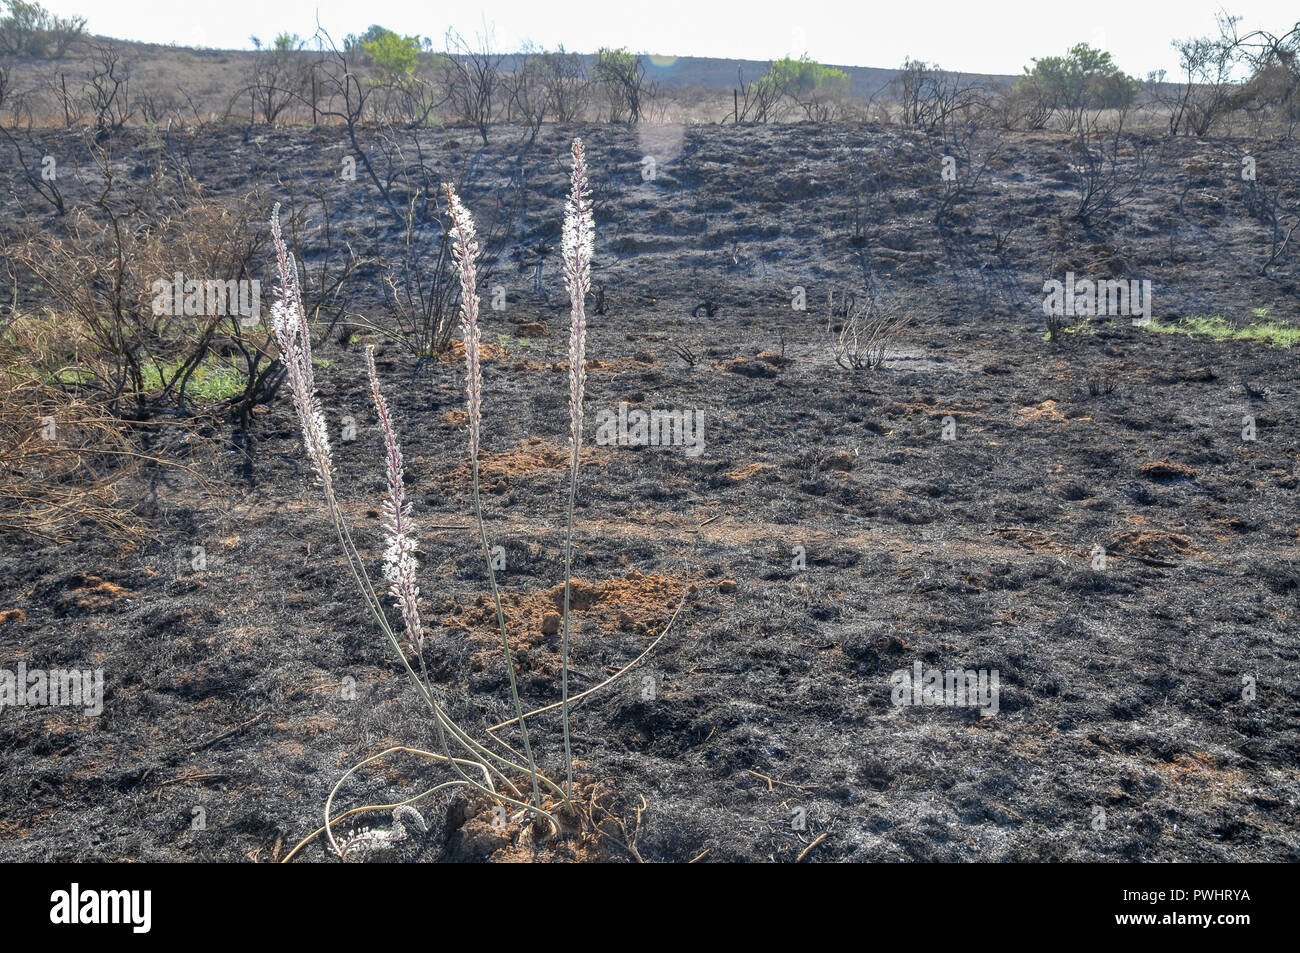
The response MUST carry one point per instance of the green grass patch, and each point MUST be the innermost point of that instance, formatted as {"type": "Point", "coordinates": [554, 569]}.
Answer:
{"type": "Point", "coordinates": [1262, 330]}
{"type": "Point", "coordinates": [1083, 327]}
{"type": "Point", "coordinates": [211, 380]}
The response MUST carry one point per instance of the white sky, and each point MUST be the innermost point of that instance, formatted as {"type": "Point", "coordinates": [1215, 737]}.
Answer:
{"type": "Point", "coordinates": [974, 36]}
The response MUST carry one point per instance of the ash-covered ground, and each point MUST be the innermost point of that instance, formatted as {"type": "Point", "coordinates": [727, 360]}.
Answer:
{"type": "Point", "coordinates": [1081, 516]}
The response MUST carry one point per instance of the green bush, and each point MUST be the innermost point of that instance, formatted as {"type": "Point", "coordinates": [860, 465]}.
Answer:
{"type": "Point", "coordinates": [803, 77]}
{"type": "Point", "coordinates": [1084, 80]}
{"type": "Point", "coordinates": [28, 29]}
{"type": "Point", "coordinates": [622, 75]}
{"type": "Point", "coordinates": [393, 55]}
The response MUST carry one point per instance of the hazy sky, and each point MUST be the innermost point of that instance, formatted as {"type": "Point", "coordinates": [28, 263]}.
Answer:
{"type": "Point", "coordinates": [973, 36]}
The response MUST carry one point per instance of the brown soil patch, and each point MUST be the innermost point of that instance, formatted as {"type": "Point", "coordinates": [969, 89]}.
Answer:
{"type": "Point", "coordinates": [636, 603]}
{"type": "Point", "coordinates": [746, 368]}
{"type": "Point", "coordinates": [600, 367]}
{"type": "Point", "coordinates": [1202, 771]}
{"type": "Point", "coordinates": [1152, 545]}
{"type": "Point", "coordinates": [1032, 538]}
{"type": "Point", "coordinates": [481, 832]}
{"type": "Point", "coordinates": [533, 455]}
{"type": "Point", "coordinates": [1044, 411]}
{"type": "Point", "coordinates": [1166, 470]}
{"type": "Point", "coordinates": [488, 351]}
{"type": "Point", "coordinates": [96, 593]}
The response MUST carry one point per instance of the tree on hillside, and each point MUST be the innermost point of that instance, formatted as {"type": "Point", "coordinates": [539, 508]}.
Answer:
{"type": "Point", "coordinates": [622, 76]}
{"type": "Point", "coordinates": [1084, 80]}
{"type": "Point", "coordinates": [812, 87]}
{"type": "Point", "coordinates": [28, 29]}
{"type": "Point", "coordinates": [395, 57]}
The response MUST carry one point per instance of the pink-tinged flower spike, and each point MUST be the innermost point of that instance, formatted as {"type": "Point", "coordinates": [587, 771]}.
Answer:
{"type": "Point", "coordinates": [294, 339]}
{"type": "Point", "coordinates": [464, 249]}
{"type": "Point", "coordinates": [399, 558]}
{"type": "Point", "coordinates": [577, 245]}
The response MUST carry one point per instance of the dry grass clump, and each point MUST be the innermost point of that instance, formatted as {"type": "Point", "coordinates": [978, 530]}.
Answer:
{"type": "Point", "coordinates": [61, 458]}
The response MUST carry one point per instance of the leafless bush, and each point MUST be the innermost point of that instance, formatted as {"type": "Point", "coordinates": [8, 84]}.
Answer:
{"type": "Point", "coordinates": [419, 99]}
{"type": "Point", "coordinates": [1108, 173]}
{"type": "Point", "coordinates": [868, 334]}
{"type": "Point", "coordinates": [17, 103]}
{"type": "Point", "coordinates": [754, 101]}
{"type": "Point", "coordinates": [1258, 73]}
{"type": "Point", "coordinates": [156, 107]}
{"type": "Point", "coordinates": [963, 156]}
{"type": "Point", "coordinates": [1274, 86]}
{"type": "Point", "coordinates": [422, 284]}
{"type": "Point", "coordinates": [281, 76]}
{"type": "Point", "coordinates": [1103, 386]}
{"type": "Point", "coordinates": [688, 351]}
{"type": "Point", "coordinates": [866, 188]}
{"type": "Point", "coordinates": [1022, 106]}
{"type": "Point", "coordinates": [37, 176]}
{"type": "Point", "coordinates": [70, 101]}
{"type": "Point", "coordinates": [1211, 85]}
{"type": "Point", "coordinates": [933, 99]}
{"type": "Point", "coordinates": [568, 87]}
{"type": "Point", "coordinates": [528, 95]}
{"type": "Point", "coordinates": [107, 90]}
{"type": "Point", "coordinates": [473, 80]}
{"type": "Point", "coordinates": [821, 107]}
{"type": "Point", "coordinates": [1266, 205]}
{"type": "Point", "coordinates": [346, 99]}
{"type": "Point", "coordinates": [101, 269]}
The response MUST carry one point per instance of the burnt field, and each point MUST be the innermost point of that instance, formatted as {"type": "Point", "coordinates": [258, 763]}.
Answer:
{"type": "Point", "coordinates": [1104, 518]}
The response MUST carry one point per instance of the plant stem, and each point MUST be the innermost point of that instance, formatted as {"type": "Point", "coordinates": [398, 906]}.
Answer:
{"type": "Point", "coordinates": [564, 638]}
{"type": "Point", "coordinates": [505, 642]}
